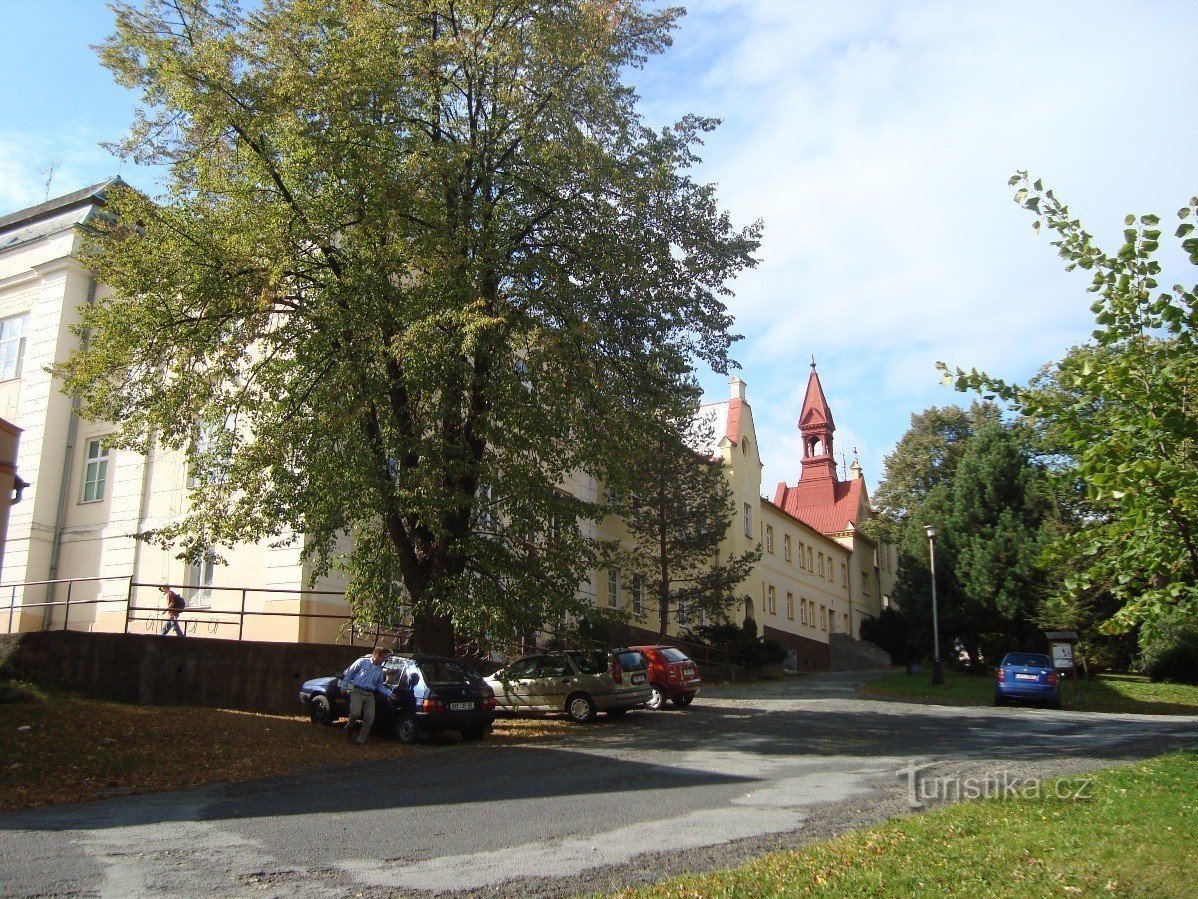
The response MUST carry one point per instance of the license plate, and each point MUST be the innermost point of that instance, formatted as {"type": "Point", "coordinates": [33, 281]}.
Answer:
{"type": "Point", "coordinates": [461, 706]}
{"type": "Point", "coordinates": [688, 672]}
{"type": "Point", "coordinates": [1026, 677]}
{"type": "Point", "coordinates": [638, 678]}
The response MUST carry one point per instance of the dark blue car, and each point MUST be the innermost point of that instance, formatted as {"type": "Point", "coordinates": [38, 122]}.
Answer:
{"type": "Point", "coordinates": [420, 694]}
{"type": "Point", "coordinates": [1028, 676]}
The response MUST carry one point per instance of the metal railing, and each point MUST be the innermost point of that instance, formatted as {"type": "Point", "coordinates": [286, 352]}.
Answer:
{"type": "Point", "coordinates": [215, 616]}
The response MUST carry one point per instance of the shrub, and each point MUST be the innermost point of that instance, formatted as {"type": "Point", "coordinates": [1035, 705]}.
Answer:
{"type": "Point", "coordinates": [891, 632]}
{"type": "Point", "coordinates": [1170, 649]}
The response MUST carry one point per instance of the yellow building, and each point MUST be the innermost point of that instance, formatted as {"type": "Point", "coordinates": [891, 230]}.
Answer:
{"type": "Point", "coordinates": [74, 535]}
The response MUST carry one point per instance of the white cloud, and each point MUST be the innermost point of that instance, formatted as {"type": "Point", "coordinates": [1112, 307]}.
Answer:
{"type": "Point", "coordinates": [875, 140]}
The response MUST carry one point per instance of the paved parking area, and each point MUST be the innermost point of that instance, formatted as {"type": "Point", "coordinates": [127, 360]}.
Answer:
{"type": "Point", "coordinates": [742, 771]}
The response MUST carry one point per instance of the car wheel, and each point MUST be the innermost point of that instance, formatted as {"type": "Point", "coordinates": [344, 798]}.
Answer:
{"type": "Point", "coordinates": [320, 710]}
{"type": "Point", "coordinates": [406, 730]}
{"type": "Point", "coordinates": [658, 699]}
{"type": "Point", "coordinates": [683, 701]}
{"type": "Point", "coordinates": [616, 713]}
{"type": "Point", "coordinates": [580, 708]}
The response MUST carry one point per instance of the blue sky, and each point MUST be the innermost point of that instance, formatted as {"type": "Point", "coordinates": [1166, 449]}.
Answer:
{"type": "Point", "coordinates": [875, 141]}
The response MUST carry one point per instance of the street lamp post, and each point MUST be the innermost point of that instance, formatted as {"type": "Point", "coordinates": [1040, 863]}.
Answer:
{"type": "Point", "coordinates": [937, 666]}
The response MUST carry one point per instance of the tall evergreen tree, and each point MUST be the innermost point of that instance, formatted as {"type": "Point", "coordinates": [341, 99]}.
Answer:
{"type": "Point", "coordinates": [678, 519]}
{"type": "Point", "coordinates": [991, 522]}
{"type": "Point", "coordinates": [424, 257]}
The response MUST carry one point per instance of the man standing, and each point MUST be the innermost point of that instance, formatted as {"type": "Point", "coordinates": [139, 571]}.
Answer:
{"type": "Point", "coordinates": [174, 605]}
{"type": "Point", "coordinates": [363, 677]}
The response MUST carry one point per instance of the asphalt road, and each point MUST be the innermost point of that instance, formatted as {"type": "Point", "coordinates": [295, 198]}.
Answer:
{"type": "Point", "coordinates": [742, 771]}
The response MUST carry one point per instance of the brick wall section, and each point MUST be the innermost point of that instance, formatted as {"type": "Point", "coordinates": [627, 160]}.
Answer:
{"type": "Point", "coordinates": [153, 670]}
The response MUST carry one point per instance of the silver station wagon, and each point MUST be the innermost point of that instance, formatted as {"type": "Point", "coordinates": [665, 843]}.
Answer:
{"type": "Point", "coordinates": [575, 681]}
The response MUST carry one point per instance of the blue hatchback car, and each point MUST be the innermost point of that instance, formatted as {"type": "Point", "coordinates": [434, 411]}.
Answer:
{"type": "Point", "coordinates": [1028, 676]}
{"type": "Point", "coordinates": [419, 694]}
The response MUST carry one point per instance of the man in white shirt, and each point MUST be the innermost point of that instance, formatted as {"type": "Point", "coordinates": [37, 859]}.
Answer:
{"type": "Point", "coordinates": [363, 678]}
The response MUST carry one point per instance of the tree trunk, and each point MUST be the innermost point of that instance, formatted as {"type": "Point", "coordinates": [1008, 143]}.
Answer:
{"type": "Point", "coordinates": [434, 634]}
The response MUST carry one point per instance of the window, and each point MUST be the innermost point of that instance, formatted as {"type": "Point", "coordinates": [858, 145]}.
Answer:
{"type": "Point", "coordinates": [638, 596]}
{"type": "Point", "coordinates": [769, 538]}
{"type": "Point", "coordinates": [786, 547]}
{"type": "Point", "coordinates": [210, 452]}
{"type": "Point", "coordinates": [199, 578]}
{"type": "Point", "coordinates": [865, 582]}
{"type": "Point", "coordinates": [821, 564]}
{"type": "Point", "coordinates": [12, 345]}
{"type": "Point", "coordinates": [613, 588]}
{"type": "Point", "coordinates": [802, 555]}
{"type": "Point", "coordinates": [613, 497]}
{"type": "Point", "coordinates": [772, 599]}
{"type": "Point", "coordinates": [810, 560]}
{"type": "Point", "coordinates": [802, 610]}
{"type": "Point", "coordinates": [844, 574]}
{"type": "Point", "coordinates": [790, 606]}
{"type": "Point", "coordinates": [683, 616]}
{"type": "Point", "coordinates": [95, 471]}
{"type": "Point", "coordinates": [823, 618]}
{"type": "Point", "coordinates": [748, 520]}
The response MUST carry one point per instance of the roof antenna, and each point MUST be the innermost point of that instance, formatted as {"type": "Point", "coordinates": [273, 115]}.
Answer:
{"type": "Point", "coordinates": [49, 171]}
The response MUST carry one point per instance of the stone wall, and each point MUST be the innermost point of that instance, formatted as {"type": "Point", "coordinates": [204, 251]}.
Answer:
{"type": "Point", "coordinates": [153, 670]}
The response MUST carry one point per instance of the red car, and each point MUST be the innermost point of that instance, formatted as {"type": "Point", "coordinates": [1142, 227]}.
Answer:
{"type": "Point", "coordinates": [672, 675]}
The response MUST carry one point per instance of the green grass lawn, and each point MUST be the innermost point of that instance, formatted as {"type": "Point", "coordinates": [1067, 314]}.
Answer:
{"type": "Point", "coordinates": [1106, 693]}
{"type": "Point", "coordinates": [1134, 836]}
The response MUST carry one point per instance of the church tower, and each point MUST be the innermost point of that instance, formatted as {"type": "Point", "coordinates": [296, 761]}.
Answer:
{"type": "Point", "coordinates": [816, 427]}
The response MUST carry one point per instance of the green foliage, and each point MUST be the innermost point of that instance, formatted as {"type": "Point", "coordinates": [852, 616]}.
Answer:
{"type": "Point", "coordinates": [1170, 649]}
{"type": "Point", "coordinates": [925, 457]}
{"type": "Point", "coordinates": [677, 505]}
{"type": "Point", "coordinates": [890, 631]}
{"type": "Point", "coordinates": [991, 519]}
{"type": "Point", "coordinates": [745, 648]}
{"type": "Point", "coordinates": [419, 262]}
{"type": "Point", "coordinates": [1122, 414]}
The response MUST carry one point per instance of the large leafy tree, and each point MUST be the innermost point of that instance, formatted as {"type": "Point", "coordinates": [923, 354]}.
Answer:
{"type": "Point", "coordinates": [679, 518]}
{"type": "Point", "coordinates": [925, 457]}
{"type": "Point", "coordinates": [992, 520]}
{"type": "Point", "coordinates": [422, 261]}
{"type": "Point", "coordinates": [1123, 413]}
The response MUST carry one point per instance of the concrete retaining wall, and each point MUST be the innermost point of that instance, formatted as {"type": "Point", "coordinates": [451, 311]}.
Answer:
{"type": "Point", "coordinates": [153, 670]}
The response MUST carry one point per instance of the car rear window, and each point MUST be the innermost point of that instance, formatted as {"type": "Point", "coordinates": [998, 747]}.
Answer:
{"type": "Point", "coordinates": [670, 654]}
{"type": "Point", "coordinates": [630, 658]}
{"type": "Point", "coordinates": [589, 662]}
{"type": "Point", "coordinates": [436, 672]}
{"type": "Point", "coordinates": [1027, 660]}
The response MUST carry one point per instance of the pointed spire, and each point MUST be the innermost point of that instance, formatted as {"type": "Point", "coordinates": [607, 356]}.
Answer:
{"type": "Point", "coordinates": [816, 427]}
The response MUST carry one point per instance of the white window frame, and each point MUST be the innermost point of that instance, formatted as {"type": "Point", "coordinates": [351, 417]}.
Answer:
{"type": "Point", "coordinates": [199, 577]}
{"type": "Point", "coordinates": [14, 333]}
{"type": "Point", "coordinates": [769, 538]}
{"type": "Point", "coordinates": [95, 471]}
{"type": "Point", "coordinates": [790, 607]}
{"type": "Point", "coordinates": [771, 593]}
{"type": "Point", "coordinates": [748, 520]}
{"type": "Point", "coordinates": [786, 551]}
{"type": "Point", "coordinates": [613, 588]}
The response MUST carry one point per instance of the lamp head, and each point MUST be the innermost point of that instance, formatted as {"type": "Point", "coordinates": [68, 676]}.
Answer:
{"type": "Point", "coordinates": [930, 529]}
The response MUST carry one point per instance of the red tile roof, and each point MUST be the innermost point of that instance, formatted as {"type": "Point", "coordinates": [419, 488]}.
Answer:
{"type": "Point", "coordinates": [826, 505]}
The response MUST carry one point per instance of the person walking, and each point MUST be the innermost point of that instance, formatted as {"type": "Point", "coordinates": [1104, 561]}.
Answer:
{"type": "Point", "coordinates": [174, 605]}
{"type": "Point", "coordinates": [363, 678]}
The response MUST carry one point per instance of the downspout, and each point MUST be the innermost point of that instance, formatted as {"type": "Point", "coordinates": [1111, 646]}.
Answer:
{"type": "Point", "coordinates": [68, 459]}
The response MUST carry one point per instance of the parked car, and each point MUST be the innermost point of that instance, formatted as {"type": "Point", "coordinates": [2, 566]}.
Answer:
{"type": "Point", "coordinates": [577, 682]}
{"type": "Point", "coordinates": [420, 694]}
{"type": "Point", "coordinates": [672, 676]}
{"type": "Point", "coordinates": [1027, 676]}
